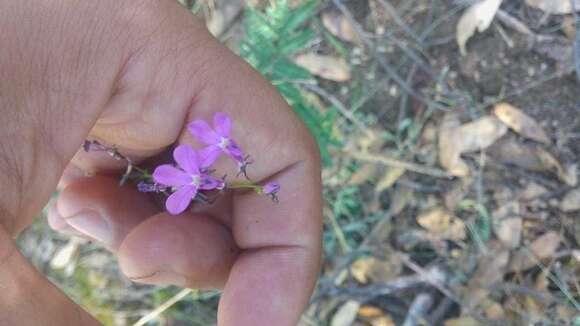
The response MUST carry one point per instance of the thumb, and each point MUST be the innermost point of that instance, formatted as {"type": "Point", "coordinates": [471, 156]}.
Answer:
{"type": "Point", "coordinates": [30, 299]}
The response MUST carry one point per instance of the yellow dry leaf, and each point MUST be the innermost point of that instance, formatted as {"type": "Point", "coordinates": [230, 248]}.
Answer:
{"type": "Point", "coordinates": [324, 66]}
{"type": "Point", "coordinates": [389, 179]}
{"type": "Point", "coordinates": [477, 17]}
{"type": "Point", "coordinates": [521, 123]}
{"type": "Point", "coordinates": [557, 7]}
{"type": "Point", "coordinates": [369, 312]}
{"type": "Point", "coordinates": [440, 223]}
{"type": "Point", "coordinates": [339, 26]}
{"type": "Point", "coordinates": [346, 314]}
{"type": "Point", "coordinates": [462, 321]}
{"type": "Point", "coordinates": [371, 269]}
{"type": "Point", "coordinates": [470, 137]}
{"type": "Point", "coordinates": [383, 321]}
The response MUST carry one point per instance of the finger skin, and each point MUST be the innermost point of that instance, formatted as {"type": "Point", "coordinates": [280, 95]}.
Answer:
{"type": "Point", "coordinates": [190, 250]}
{"type": "Point", "coordinates": [27, 298]}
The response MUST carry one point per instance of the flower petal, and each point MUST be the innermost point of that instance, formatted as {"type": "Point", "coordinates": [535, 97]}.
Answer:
{"type": "Point", "coordinates": [209, 183]}
{"type": "Point", "coordinates": [170, 176]}
{"type": "Point", "coordinates": [187, 158]}
{"type": "Point", "coordinates": [235, 151]}
{"type": "Point", "coordinates": [179, 200]}
{"type": "Point", "coordinates": [222, 124]}
{"type": "Point", "coordinates": [209, 155]}
{"type": "Point", "coordinates": [203, 132]}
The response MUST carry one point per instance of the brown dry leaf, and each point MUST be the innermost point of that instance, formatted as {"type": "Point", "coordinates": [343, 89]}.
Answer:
{"type": "Point", "coordinates": [557, 7]}
{"type": "Point", "coordinates": [477, 17]}
{"type": "Point", "coordinates": [521, 123]}
{"type": "Point", "coordinates": [462, 321]}
{"type": "Point", "coordinates": [339, 26]}
{"type": "Point", "coordinates": [346, 314]}
{"type": "Point", "coordinates": [491, 269]}
{"type": "Point", "coordinates": [389, 179]}
{"type": "Point", "coordinates": [324, 66]}
{"type": "Point", "coordinates": [541, 248]}
{"type": "Point", "coordinates": [470, 137]}
{"type": "Point", "coordinates": [441, 223]}
{"type": "Point", "coordinates": [571, 201]}
{"type": "Point", "coordinates": [532, 158]}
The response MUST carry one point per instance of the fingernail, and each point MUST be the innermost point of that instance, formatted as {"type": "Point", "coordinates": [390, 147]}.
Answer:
{"type": "Point", "coordinates": [162, 278]}
{"type": "Point", "coordinates": [91, 223]}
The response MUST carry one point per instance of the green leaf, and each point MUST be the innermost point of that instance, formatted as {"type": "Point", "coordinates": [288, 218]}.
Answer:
{"type": "Point", "coordinates": [286, 70]}
{"type": "Point", "coordinates": [297, 42]}
{"type": "Point", "coordinates": [299, 16]}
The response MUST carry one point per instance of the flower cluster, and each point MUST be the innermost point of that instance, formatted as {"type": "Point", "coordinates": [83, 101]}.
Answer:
{"type": "Point", "coordinates": [191, 177]}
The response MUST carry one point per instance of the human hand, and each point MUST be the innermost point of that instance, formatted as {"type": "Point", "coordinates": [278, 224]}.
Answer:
{"type": "Point", "coordinates": [133, 74]}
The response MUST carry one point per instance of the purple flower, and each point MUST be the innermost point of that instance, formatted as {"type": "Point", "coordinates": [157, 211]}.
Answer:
{"type": "Point", "coordinates": [218, 139]}
{"type": "Point", "coordinates": [186, 179]}
{"type": "Point", "coordinates": [271, 189]}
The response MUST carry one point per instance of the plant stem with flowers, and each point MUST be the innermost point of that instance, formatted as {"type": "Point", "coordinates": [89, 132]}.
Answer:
{"type": "Point", "coordinates": [191, 177]}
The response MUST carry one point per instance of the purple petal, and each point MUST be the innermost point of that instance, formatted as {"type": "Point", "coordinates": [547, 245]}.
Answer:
{"type": "Point", "coordinates": [187, 158]}
{"type": "Point", "coordinates": [203, 132]}
{"type": "Point", "coordinates": [209, 155]}
{"type": "Point", "coordinates": [222, 124]}
{"type": "Point", "coordinates": [170, 176]}
{"type": "Point", "coordinates": [179, 200]}
{"type": "Point", "coordinates": [271, 188]}
{"type": "Point", "coordinates": [235, 151]}
{"type": "Point", "coordinates": [209, 183]}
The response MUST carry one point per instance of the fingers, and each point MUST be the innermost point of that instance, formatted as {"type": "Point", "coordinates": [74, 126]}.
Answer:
{"type": "Point", "coordinates": [189, 250]}
{"type": "Point", "coordinates": [100, 209]}
{"type": "Point", "coordinates": [30, 299]}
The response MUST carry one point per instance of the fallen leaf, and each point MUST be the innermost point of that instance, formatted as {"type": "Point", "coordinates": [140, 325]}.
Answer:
{"type": "Point", "coordinates": [222, 17]}
{"type": "Point", "coordinates": [571, 201]}
{"type": "Point", "coordinates": [66, 254]}
{"type": "Point", "coordinates": [339, 26]}
{"type": "Point", "coordinates": [346, 314]}
{"type": "Point", "coordinates": [541, 248]}
{"type": "Point", "coordinates": [494, 311]}
{"type": "Point", "coordinates": [569, 27]}
{"type": "Point", "coordinates": [455, 140]}
{"type": "Point", "coordinates": [371, 269]}
{"type": "Point", "coordinates": [383, 321]}
{"type": "Point", "coordinates": [509, 231]}
{"type": "Point", "coordinates": [439, 222]}
{"type": "Point", "coordinates": [490, 269]}
{"type": "Point", "coordinates": [532, 158]}
{"type": "Point", "coordinates": [533, 191]}
{"type": "Point", "coordinates": [462, 321]}
{"type": "Point", "coordinates": [477, 17]}
{"type": "Point", "coordinates": [324, 66]}
{"type": "Point", "coordinates": [521, 123]}
{"type": "Point", "coordinates": [557, 7]}
{"type": "Point", "coordinates": [369, 312]}
{"type": "Point", "coordinates": [389, 179]}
